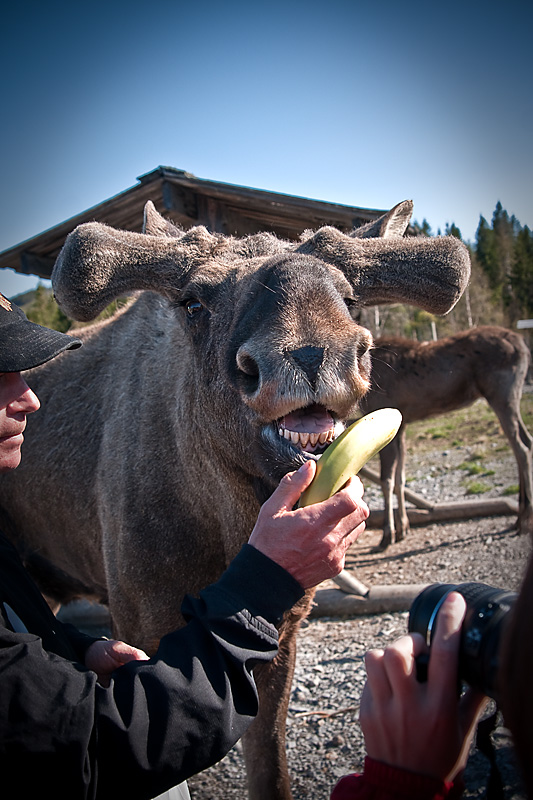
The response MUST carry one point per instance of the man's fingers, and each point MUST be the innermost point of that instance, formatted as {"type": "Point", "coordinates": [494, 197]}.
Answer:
{"type": "Point", "coordinates": [355, 487]}
{"type": "Point", "coordinates": [346, 504]}
{"type": "Point", "coordinates": [444, 652]}
{"type": "Point", "coordinates": [377, 682]}
{"type": "Point", "coordinates": [123, 652]}
{"type": "Point", "coordinates": [400, 662]}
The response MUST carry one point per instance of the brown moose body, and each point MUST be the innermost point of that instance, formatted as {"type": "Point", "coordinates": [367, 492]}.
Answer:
{"type": "Point", "coordinates": [425, 379]}
{"type": "Point", "coordinates": [144, 471]}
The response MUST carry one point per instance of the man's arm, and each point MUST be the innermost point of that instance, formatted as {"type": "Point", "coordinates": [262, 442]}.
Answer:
{"type": "Point", "coordinates": [162, 720]}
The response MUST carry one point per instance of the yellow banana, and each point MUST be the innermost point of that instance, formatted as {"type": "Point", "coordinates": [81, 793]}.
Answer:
{"type": "Point", "coordinates": [350, 451]}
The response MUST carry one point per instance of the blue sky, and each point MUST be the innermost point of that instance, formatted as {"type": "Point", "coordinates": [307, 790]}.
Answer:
{"type": "Point", "coordinates": [359, 103]}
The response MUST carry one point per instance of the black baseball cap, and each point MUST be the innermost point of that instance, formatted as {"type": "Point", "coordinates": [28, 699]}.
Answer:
{"type": "Point", "coordinates": [24, 344]}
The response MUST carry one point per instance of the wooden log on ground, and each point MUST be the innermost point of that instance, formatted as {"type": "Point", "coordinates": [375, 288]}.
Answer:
{"type": "Point", "coordinates": [409, 495]}
{"type": "Point", "coordinates": [347, 582]}
{"type": "Point", "coordinates": [379, 600]}
{"type": "Point", "coordinates": [328, 603]}
{"type": "Point", "coordinates": [462, 509]}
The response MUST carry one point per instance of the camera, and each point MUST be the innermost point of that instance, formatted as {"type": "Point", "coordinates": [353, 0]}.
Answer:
{"type": "Point", "coordinates": [487, 614]}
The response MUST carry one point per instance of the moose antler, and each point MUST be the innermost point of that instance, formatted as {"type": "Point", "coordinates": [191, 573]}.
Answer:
{"type": "Point", "coordinates": [99, 263]}
{"type": "Point", "coordinates": [431, 273]}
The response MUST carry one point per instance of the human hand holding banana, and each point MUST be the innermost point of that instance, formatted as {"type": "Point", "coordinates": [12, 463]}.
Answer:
{"type": "Point", "coordinates": [348, 454]}
{"type": "Point", "coordinates": [311, 541]}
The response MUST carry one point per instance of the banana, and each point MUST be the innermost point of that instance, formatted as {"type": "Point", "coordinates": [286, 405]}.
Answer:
{"type": "Point", "coordinates": [349, 453]}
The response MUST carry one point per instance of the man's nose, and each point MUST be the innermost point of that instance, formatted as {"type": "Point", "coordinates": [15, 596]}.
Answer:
{"type": "Point", "coordinates": [26, 400]}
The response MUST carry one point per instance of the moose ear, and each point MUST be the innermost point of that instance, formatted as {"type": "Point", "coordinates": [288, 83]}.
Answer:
{"type": "Point", "coordinates": [393, 223]}
{"type": "Point", "coordinates": [156, 225]}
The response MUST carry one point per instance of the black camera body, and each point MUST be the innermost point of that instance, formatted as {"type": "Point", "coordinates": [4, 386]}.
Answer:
{"type": "Point", "coordinates": [487, 614]}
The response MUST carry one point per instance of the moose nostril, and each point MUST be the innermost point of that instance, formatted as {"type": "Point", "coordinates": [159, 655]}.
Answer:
{"type": "Point", "coordinates": [365, 343]}
{"type": "Point", "coordinates": [247, 364]}
{"type": "Point", "coordinates": [309, 359]}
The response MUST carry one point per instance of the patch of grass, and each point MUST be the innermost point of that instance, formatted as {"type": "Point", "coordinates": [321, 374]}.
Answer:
{"type": "Point", "coordinates": [526, 408]}
{"type": "Point", "coordinates": [513, 489]}
{"type": "Point", "coordinates": [473, 426]}
{"type": "Point", "coordinates": [472, 467]}
{"type": "Point", "coordinates": [439, 431]}
{"type": "Point", "coordinates": [477, 488]}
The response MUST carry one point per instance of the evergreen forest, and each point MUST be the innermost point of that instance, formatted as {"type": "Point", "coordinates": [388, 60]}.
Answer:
{"type": "Point", "coordinates": [500, 291]}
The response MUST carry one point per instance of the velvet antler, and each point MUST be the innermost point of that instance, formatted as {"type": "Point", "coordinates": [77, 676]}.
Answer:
{"type": "Point", "coordinates": [99, 263]}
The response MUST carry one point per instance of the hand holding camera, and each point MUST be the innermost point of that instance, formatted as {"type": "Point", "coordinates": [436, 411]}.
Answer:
{"type": "Point", "coordinates": [423, 727]}
{"type": "Point", "coordinates": [482, 632]}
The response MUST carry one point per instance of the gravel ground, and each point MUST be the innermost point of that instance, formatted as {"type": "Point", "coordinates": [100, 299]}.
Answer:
{"type": "Point", "coordinates": [324, 740]}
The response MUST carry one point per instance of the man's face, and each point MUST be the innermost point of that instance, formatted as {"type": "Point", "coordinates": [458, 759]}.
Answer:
{"type": "Point", "coordinates": [16, 401]}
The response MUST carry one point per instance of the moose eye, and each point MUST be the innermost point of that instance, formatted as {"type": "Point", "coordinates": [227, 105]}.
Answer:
{"type": "Point", "coordinates": [193, 307]}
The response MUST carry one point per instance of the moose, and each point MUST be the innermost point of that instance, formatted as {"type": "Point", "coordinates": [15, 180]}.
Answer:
{"type": "Point", "coordinates": [425, 379]}
{"type": "Point", "coordinates": [159, 439]}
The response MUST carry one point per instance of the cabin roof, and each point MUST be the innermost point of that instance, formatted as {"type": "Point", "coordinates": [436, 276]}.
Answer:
{"type": "Point", "coordinates": [188, 201]}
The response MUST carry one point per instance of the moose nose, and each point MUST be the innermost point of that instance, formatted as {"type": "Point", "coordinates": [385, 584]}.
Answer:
{"type": "Point", "coordinates": [309, 359]}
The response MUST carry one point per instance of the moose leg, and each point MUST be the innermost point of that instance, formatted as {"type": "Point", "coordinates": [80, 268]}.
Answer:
{"type": "Point", "coordinates": [522, 445]}
{"type": "Point", "coordinates": [388, 458]}
{"type": "Point", "coordinates": [525, 506]}
{"type": "Point", "coordinates": [403, 520]}
{"type": "Point", "coordinates": [525, 509]}
{"type": "Point", "coordinates": [264, 742]}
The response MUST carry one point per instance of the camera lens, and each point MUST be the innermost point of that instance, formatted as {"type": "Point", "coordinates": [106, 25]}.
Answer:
{"type": "Point", "coordinates": [481, 634]}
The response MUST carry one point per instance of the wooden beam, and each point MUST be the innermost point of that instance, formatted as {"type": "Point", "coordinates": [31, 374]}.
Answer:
{"type": "Point", "coordinates": [412, 497]}
{"type": "Point", "coordinates": [226, 208]}
{"type": "Point", "coordinates": [34, 264]}
{"type": "Point", "coordinates": [379, 600]}
{"type": "Point", "coordinates": [180, 200]}
{"type": "Point", "coordinates": [442, 512]}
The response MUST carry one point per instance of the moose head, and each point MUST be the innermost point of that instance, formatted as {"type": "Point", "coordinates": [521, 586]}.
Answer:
{"type": "Point", "coordinates": [273, 319]}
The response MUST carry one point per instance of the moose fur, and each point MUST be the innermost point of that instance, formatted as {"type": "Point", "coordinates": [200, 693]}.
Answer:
{"type": "Point", "coordinates": [143, 474]}
{"type": "Point", "coordinates": [425, 379]}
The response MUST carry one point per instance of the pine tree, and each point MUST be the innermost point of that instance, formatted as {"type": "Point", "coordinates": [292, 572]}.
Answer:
{"type": "Point", "coordinates": [423, 229]}
{"type": "Point", "coordinates": [453, 230]}
{"type": "Point", "coordinates": [486, 253]}
{"type": "Point", "coordinates": [44, 311]}
{"type": "Point", "coordinates": [522, 272]}
{"type": "Point", "coordinates": [505, 229]}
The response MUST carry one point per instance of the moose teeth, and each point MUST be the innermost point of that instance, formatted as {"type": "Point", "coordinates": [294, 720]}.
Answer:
{"type": "Point", "coordinates": [303, 439]}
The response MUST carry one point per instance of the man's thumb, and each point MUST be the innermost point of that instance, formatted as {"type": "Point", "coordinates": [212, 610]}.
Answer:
{"type": "Point", "coordinates": [293, 484]}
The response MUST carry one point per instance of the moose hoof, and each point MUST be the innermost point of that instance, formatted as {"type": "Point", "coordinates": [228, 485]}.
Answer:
{"type": "Point", "coordinates": [384, 543]}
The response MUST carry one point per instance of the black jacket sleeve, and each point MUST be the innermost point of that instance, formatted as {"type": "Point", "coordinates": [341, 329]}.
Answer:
{"type": "Point", "coordinates": [159, 721]}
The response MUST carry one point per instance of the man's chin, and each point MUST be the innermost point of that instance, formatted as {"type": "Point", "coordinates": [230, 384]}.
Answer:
{"type": "Point", "coordinates": [9, 461]}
